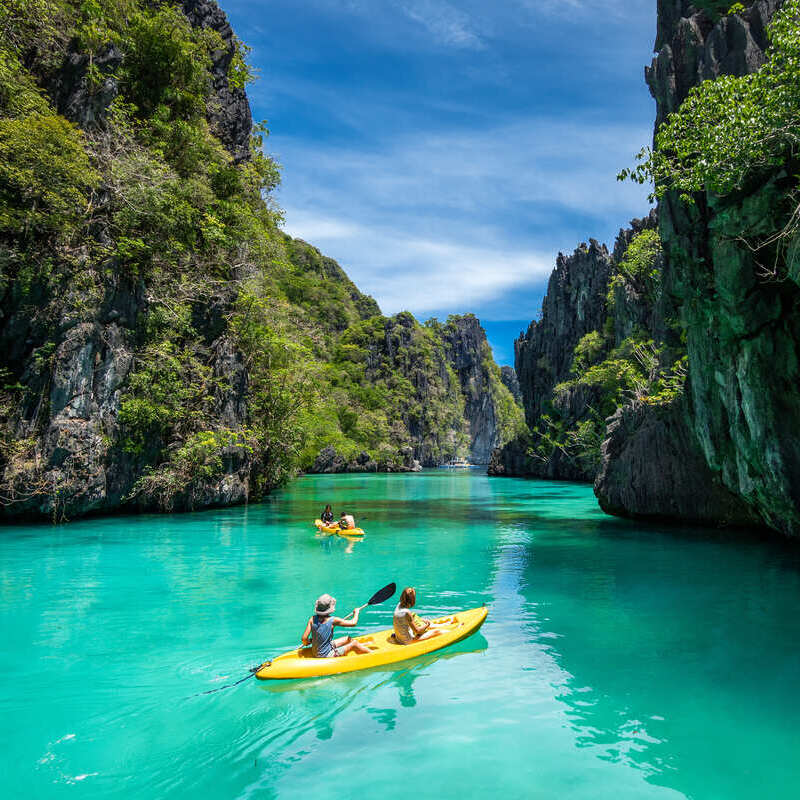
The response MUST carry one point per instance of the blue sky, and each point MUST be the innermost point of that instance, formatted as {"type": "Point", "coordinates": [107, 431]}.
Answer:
{"type": "Point", "coordinates": [444, 151]}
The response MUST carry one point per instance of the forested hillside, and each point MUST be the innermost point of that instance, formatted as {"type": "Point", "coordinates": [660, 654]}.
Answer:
{"type": "Point", "coordinates": [164, 344]}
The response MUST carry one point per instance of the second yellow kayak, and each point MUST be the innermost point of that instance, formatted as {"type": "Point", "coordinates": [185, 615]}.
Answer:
{"type": "Point", "coordinates": [384, 650]}
{"type": "Point", "coordinates": [335, 529]}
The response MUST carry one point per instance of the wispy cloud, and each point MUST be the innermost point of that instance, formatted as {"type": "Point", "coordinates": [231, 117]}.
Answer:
{"type": "Point", "coordinates": [444, 151]}
{"type": "Point", "coordinates": [448, 25]}
{"type": "Point", "coordinates": [461, 220]}
{"type": "Point", "coordinates": [406, 271]}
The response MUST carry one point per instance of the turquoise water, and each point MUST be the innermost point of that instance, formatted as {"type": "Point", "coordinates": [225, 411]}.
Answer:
{"type": "Point", "coordinates": [618, 660]}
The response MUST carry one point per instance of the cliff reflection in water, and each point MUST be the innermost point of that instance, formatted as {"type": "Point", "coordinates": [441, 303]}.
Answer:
{"type": "Point", "coordinates": [665, 639]}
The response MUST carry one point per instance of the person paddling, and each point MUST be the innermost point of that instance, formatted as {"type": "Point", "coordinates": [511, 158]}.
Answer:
{"type": "Point", "coordinates": [408, 627]}
{"type": "Point", "coordinates": [327, 515]}
{"type": "Point", "coordinates": [319, 631]}
{"type": "Point", "coordinates": [347, 522]}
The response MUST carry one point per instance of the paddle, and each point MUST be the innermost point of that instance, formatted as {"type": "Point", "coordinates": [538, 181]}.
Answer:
{"type": "Point", "coordinates": [383, 594]}
{"type": "Point", "coordinates": [379, 597]}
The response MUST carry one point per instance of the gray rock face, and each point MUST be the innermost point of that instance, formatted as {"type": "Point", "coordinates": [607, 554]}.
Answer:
{"type": "Point", "coordinates": [330, 461]}
{"type": "Point", "coordinates": [633, 309]}
{"type": "Point", "coordinates": [72, 94]}
{"type": "Point", "coordinates": [743, 403]}
{"type": "Point", "coordinates": [575, 304]}
{"type": "Point", "coordinates": [229, 110]}
{"type": "Point", "coordinates": [468, 354]}
{"type": "Point", "coordinates": [690, 48]}
{"type": "Point", "coordinates": [509, 377]}
{"type": "Point", "coordinates": [652, 469]}
{"type": "Point", "coordinates": [69, 461]}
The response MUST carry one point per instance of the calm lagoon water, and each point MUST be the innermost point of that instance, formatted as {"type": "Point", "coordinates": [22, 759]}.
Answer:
{"type": "Point", "coordinates": [618, 661]}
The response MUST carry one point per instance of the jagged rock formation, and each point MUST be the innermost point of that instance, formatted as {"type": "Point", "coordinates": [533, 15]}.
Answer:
{"type": "Point", "coordinates": [329, 461]}
{"type": "Point", "coordinates": [74, 97]}
{"type": "Point", "coordinates": [228, 109]}
{"type": "Point", "coordinates": [692, 48]}
{"type": "Point", "coordinates": [742, 329]}
{"type": "Point", "coordinates": [509, 377]}
{"type": "Point", "coordinates": [575, 304]}
{"type": "Point", "coordinates": [452, 403]}
{"type": "Point", "coordinates": [643, 446]}
{"type": "Point", "coordinates": [724, 452]}
{"type": "Point", "coordinates": [469, 355]}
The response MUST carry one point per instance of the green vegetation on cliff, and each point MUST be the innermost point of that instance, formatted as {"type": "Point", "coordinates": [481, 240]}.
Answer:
{"type": "Point", "coordinates": [614, 365]}
{"type": "Point", "coordinates": [164, 341]}
{"type": "Point", "coordinates": [733, 132]}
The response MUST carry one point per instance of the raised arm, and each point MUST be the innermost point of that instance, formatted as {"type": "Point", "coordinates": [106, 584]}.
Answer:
{"type": "Point", "coordinates": [349, 623]}
{"type": "Point", "coordinates": [307, 633]}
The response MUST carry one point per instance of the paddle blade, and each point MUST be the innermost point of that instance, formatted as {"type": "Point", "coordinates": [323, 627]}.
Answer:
{"type": "Point", "coordinates": [382, 594]}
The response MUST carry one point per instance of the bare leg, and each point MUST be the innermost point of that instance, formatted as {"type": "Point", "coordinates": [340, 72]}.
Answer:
{"type": "Point", "coordinates": [341, 641]}
{"type": "Point", "coordinates": [429, 634]}
{"type": "Point", "coordinates": [353, 645]}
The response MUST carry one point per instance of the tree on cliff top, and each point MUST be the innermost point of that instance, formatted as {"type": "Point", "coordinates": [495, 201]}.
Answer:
{"type": "Point", "coordinates": [732, 131]}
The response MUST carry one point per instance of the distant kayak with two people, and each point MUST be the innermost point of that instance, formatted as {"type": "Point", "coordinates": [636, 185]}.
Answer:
{"type": "Point", "coordinates": [346, 526]}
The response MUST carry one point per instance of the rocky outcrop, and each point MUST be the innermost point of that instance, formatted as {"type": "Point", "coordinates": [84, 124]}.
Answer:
{"type": "Point", "coordinates": [691, 48]}
{"type": "Point", "coordinates": [575, 304]}
{"type": "Point", "coordinates": [330, 461]}
{"type": "Point", "coordinates": [653, 469]}
{"type": "Point", "coordinates": [469, 355]}
{"type": "Point", "coordinates": [513, 459]}
{"type": "Point", "coordinates": [228, 109]}
{"type": "Point", "coordinates": [509, 377]}
{"type": "Point", "coordinates": [742, 327]}
{"type": "Point", "coordinates": [73, 94]}
{"type": "Point", "coordinates": [634, 309]}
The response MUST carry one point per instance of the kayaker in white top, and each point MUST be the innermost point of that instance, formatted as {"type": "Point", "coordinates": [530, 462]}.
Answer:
{"type": "Point", "coordinates": [408, 627]}
{"type": "Point", "coordinates": [347, 522]}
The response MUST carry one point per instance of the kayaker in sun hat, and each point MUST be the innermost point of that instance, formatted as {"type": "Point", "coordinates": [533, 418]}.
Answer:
{"type": "Point", "coordinates": [319, 630]}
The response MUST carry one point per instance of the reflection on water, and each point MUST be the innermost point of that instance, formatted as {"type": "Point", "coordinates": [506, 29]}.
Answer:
{"type": "Point", "coordinates": [618, 660]}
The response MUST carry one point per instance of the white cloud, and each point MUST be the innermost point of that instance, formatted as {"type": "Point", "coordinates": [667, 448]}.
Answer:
{"type": "Point", "coordinates": [403, 271]}
{"type": "Point", "coordinates": [461, 220]}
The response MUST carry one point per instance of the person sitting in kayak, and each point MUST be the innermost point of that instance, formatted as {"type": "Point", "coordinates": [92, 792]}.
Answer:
{"type": "Point", "coordinates": [327, 515]}
{"type": "Point", "coordinates": [319, 631]}
{"type": "Point", "coordinates": [408, 627]}
{"type": "Point", "coordinates": [346, 521]}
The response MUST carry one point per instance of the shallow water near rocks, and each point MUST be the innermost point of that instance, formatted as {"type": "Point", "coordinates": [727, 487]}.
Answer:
{"type": "Point", "coordinates": [619, 660]}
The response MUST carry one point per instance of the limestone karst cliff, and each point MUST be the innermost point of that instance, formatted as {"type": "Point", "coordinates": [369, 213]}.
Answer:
{"type": "Point", "coordinates": [742, 406]}
{"type": "Point", "coordinates": [451, 361]}
{"type": "Point", "coordinates": [165, 345]}
{"type": "Point", "coordinates": [707, 430]}
{"type": "Point", "coordinates": [594, 308]}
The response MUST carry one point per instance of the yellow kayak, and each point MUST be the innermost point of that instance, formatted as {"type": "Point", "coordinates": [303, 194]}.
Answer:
{"type": "Point", "coordinates": [385, 650]}
{"type": "Point", "coordinates": [331, 529]}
